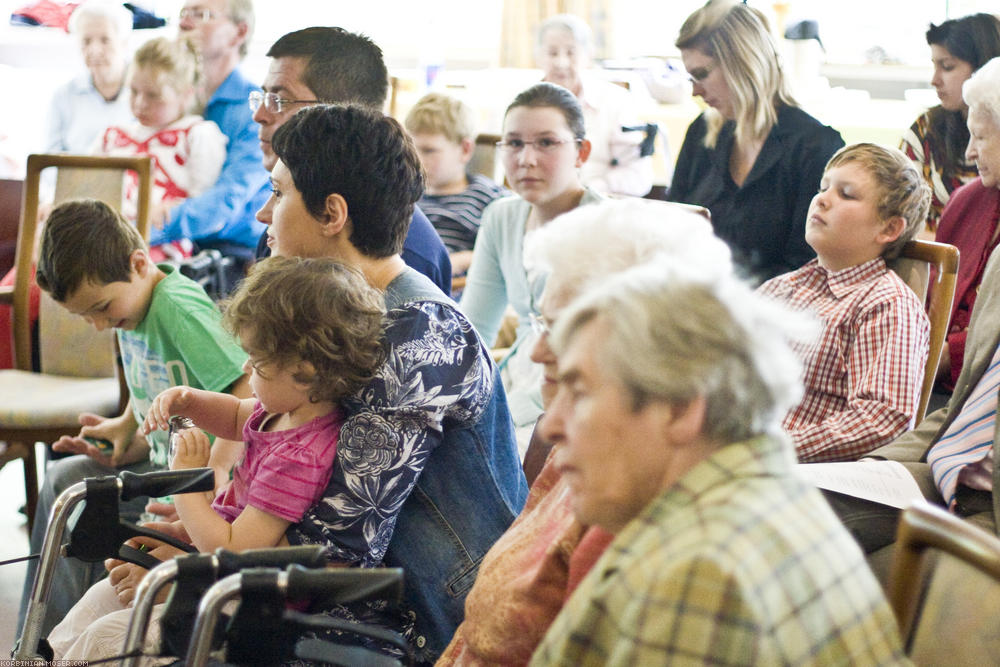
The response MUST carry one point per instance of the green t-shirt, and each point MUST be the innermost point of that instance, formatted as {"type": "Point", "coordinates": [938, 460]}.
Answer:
{"type": "Point", "coordinates": [179, 342]}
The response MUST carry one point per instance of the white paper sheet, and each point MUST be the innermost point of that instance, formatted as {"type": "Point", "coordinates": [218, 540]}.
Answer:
{"type": "Point", "coordinates": [886, 482]}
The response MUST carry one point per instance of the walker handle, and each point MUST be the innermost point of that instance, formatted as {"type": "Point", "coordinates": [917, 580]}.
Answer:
{"type": "Point", "coordinates": [310, 556]}
{"type": "Point", "coordinates": [165, 482]}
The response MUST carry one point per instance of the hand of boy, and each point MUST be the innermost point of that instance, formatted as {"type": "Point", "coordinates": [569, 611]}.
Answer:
{"type": "Point", "coordinates": [192, 449]}
{"type": "Point", "coordinates": [118, 431]}
{"type": "Point", "coordinates": [168, 403]}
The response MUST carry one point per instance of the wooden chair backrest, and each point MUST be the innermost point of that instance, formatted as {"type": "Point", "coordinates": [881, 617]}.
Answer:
{"type": "Point", "coordinates": [935, 288]}
{"type": "Point", "coordinates": [948, 606]}
{"type": "Point", "coordinates": [484, 158]}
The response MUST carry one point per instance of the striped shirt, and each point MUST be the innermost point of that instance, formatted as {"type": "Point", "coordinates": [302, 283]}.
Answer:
{"type": "Point", "coordinates": [962, 455]}
{"type": "Point", "coordinates": [919, 144]}
{"type": "Point", "coordinates": [863, 373]}
{"type": "Point", "coordinates": [457, 217]}
{"type": "Point", "coordinates": [283, 473]}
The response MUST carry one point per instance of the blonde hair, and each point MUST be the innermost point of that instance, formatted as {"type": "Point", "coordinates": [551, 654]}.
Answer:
{"type": "Point", "coordinates": [739, 39]}
{"type": "Point", "coordinates": [176, 62]}
{"type": "Point", "coordinates": [436, 113]}
{"type": "Point", "coordinates": [902, 189]}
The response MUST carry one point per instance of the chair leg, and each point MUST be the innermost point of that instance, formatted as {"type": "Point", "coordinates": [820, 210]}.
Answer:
{"type": "Point", "coordinates": [30, 484]}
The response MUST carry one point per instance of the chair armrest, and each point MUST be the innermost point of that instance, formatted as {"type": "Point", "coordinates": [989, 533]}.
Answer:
{"type": "Point", "coordinates": [7, 295]}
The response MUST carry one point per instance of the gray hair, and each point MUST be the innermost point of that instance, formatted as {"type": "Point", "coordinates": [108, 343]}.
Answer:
{"type": "Point", "coordinates": [241, 11]}
{"type": "Point", "coordinates": [582, 34]}
{"type": "Point", "coordinates": [590, 243]}
{"type": "Point", "coordinates": [982, 89]}
{"type": "Point", "coordinates": [674, 332]}
{"type": "Point", "coordinates": [112, 12]}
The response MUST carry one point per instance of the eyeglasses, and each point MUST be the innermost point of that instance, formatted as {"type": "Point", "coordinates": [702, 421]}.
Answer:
{"type": "Point", "coordinates": [538, 325]}
{"type": "Point", "coordinates": [197, 14]}
{"type": "Point", "coordinates": [543, 145]}
{"type": "Point", "coordinates": [272, 103]}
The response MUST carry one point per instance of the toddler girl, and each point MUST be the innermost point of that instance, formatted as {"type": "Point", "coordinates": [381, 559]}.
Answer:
{"type": "Point", "coordinates": [312, 329]}
{"type": "Point", "coordinates": [187, 150]}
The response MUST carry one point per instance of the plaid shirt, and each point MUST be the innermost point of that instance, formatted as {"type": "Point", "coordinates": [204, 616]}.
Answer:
{"type": "Point", "coordinates": [739, 563]}
{"type": "Point", "coordinates": [863, 374]}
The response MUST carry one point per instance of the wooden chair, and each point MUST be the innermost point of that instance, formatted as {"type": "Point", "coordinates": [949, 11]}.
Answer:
{"type": "Point", "coordinates": [935, 288]}
{"type": "Point", "coordinates": [484, 157]}
{"type": "Point", "coordinates": [947, 609]}
{"type": "Point", "coordinates": [78, 370]}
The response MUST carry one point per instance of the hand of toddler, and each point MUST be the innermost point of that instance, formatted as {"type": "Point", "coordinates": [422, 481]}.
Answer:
{"type": "Point", "coordinates": [192, 449]}
{"type": "Point", "coordinates": [167, 404]}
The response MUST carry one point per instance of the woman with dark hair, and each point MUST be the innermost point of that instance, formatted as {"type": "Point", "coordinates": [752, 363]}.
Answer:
{"type": "Point", "coordinates": [937, 140]}
{"type": "Point", "coordinates": [753, 158]}
{"type": "Point", "coordinates": [543, 148]}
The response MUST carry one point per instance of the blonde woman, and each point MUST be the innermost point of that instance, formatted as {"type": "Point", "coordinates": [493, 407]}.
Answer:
{"type": "Point", "coordinates": [754, 158]}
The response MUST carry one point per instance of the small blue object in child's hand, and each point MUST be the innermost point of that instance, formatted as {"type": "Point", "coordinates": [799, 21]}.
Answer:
{"type": "Point", "coordinates": [102, 444]}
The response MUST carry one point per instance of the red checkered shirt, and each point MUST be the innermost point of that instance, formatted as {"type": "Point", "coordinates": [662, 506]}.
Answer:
{"type": "Point", "coordinates": [862, 375]}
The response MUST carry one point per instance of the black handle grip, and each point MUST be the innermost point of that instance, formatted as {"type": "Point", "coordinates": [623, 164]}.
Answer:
{"type": "Point", "coordinates": [345, 584]}
{"type": "Point", "coordinates": [166, 482]}
{"type": "Point", "coordinates": [310, 556]}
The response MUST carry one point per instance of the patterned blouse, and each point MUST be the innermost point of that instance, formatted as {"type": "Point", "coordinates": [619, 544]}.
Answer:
{"type": "Point", "coordinates": [917, 143]}
{"type": "Point", "coordinates": [437, 370]}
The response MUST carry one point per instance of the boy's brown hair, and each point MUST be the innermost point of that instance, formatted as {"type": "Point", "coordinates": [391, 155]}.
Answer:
{"type": "Point", "coordinates": [85, 240]}
{"type": "Point", "coordinates": [315, 310]}
{"type": "Point", "coordinates": [435, 113]}
{"type": "Point", "coordinates": [902, 190]}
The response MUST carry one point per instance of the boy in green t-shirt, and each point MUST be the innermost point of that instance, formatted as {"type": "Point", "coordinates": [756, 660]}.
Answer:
{"type": "Point", "coordinates": [95, 264]}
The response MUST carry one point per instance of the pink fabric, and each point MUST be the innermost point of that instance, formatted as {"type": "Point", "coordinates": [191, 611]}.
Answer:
{"type": "Point", "coordinates": [524, 579]}
{"type": "Point", "coordinates": [863, 374]}
{"type": "Point", "coordinates": [283, 473]}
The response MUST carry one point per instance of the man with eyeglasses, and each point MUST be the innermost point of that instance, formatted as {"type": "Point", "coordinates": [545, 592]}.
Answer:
{"type": "Point", "coordinates": [223, 217]}
{"type": "Point", "coordinates": [326, 65]}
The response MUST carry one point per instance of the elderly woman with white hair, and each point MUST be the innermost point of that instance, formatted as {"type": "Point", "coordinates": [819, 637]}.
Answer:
{"type": "Point", "coordinates": [96, 99]}
{"type": "Point", "coordinates": [564, 51]}
{"type": "Point", "coordinates": [665, 425]}
{"type": "Point", "coordinates": [970, 219]}
{"type": "Point", "coordinates": [527, 574]}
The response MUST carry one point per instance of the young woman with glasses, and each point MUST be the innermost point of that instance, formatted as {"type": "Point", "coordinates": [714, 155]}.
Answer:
{"type": "Point", "coordinates": [542, 150]}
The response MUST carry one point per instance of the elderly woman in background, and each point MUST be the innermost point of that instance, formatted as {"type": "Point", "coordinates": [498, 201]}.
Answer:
{"type": "Point", "coordinates": [665, 426]}
{"type": "Point", "coordinates": [92, 101]}
{"type": "Point", "coordinates": [937, 140]}
{"type": "Point", "coordinates": [754, 158]}
{"type": "Point", "coordinates": [564, 51]}
{"type": "Point", "coordinates": [969, 221]}
{"type": "Point", "coordinates": [527, 574]}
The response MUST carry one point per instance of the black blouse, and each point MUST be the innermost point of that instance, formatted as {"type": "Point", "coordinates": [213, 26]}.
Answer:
{"type": "Point", "coordinates": [763, 221]}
